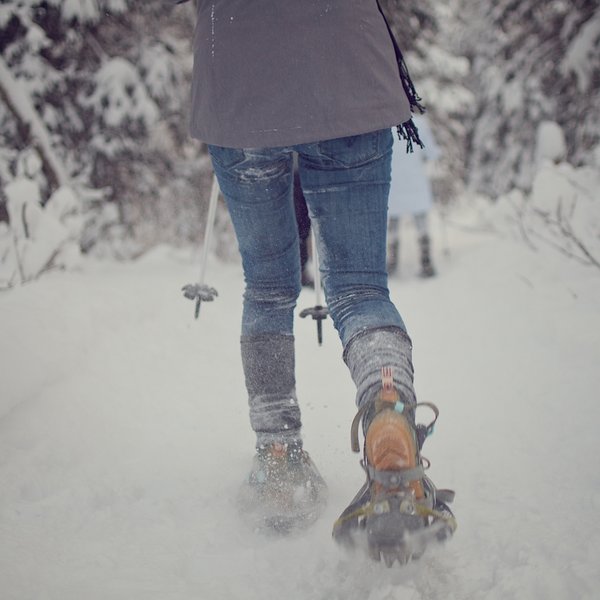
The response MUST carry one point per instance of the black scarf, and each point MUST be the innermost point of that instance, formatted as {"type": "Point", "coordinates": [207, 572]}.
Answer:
{"type": "Point", "coordinates": [408, 130]}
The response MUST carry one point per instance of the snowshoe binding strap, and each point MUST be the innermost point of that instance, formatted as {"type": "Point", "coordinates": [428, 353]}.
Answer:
{"type": "Point", "coordinates": [395, 479]}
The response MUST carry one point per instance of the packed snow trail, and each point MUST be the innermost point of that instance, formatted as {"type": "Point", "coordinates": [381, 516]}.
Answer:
{"type": "Point", "coordinates": [124, 435]}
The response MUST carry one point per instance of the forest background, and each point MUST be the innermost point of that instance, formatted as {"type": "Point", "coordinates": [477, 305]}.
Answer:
{"type": "Point", "coordinates": [95, 157]}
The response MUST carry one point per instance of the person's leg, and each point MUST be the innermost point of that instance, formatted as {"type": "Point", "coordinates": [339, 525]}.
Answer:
{"type": "Point", "coordinates": [422, 227]}
{"type": "Point", "coordinates": [421, 224]}
{"type": "Point", "coordinates": [284, 489]}
{"type": "Point", "coordinates": [257, 186]}
{"type": "Point", "coordinates": [346, 184]}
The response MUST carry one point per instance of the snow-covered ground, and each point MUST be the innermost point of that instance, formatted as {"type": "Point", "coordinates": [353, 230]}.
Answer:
{"type": "Point", "coordinates": [124, 434]}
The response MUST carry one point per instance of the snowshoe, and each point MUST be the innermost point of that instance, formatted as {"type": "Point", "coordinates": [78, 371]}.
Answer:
{"type": "Point", "coordinates": [284, 491]}
{"type": "Point", "coordinates": [398, 512]}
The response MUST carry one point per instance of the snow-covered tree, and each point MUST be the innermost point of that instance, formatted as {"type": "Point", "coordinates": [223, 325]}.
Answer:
{"type": "Point", "coordinates": [99, 90]}
{"type": "Point", "coordinates": [532, 62]}
{"type": "Point", "coordinates": [426, 32]}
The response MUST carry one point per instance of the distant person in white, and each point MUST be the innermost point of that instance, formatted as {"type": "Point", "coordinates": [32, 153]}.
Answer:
{"type": "Point", "coordinates": [410, 195]}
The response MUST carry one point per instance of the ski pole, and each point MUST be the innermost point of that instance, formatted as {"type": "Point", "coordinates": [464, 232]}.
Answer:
{"type": "Point", "coordinates": [200, 291]}
{"type": "Point", "coordinates": [318, 312]}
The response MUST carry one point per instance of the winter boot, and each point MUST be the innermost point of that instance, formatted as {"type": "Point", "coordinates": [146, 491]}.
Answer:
{"type": "Point", "coordinates": [427, 269]}
{"type": "Point", "coordinates": [398, 511]}
{"type": "Point", "coordinates": [284, 491]}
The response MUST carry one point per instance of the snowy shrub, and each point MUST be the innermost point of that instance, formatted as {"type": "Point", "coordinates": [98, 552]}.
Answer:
{"type": "Point", "coordinates": [9, 275]}
{"type": "Point", "coordinates": [38, 237]}
{"type": "Point", "coordinates": [122, 108]}
{"type": "Point", "coordinates": [581, 53]}
{"type": "Point", "coordinates": [161, 73]}
{"type": "Point", "coordinates": [562, 210]}
{"type": "Point", "coordinates": [88, 11]}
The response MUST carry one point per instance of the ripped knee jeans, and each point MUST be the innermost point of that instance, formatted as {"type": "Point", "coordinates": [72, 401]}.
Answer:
{"type": "Point", "coordinates": [346, 185]}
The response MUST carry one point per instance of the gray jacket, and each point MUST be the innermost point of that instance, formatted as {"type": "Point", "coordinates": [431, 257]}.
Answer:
{"type": "Point", "coordinates": [273, 73]}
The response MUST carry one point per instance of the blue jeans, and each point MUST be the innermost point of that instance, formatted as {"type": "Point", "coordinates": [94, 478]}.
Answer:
{"type": "Point", "coordinates": [346, 183]}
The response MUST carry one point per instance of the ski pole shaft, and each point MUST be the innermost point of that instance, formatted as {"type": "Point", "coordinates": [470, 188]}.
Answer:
{"type": "Point", "coordinates": [210, 223]}
{"type": "Point", "coordinates": [317, 277]}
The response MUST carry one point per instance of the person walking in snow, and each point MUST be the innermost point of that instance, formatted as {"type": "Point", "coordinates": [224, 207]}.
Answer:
{"type": "Point", "coordinates": [410, 196]}
{"type": "Point", "coordinates": [324, 80]}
